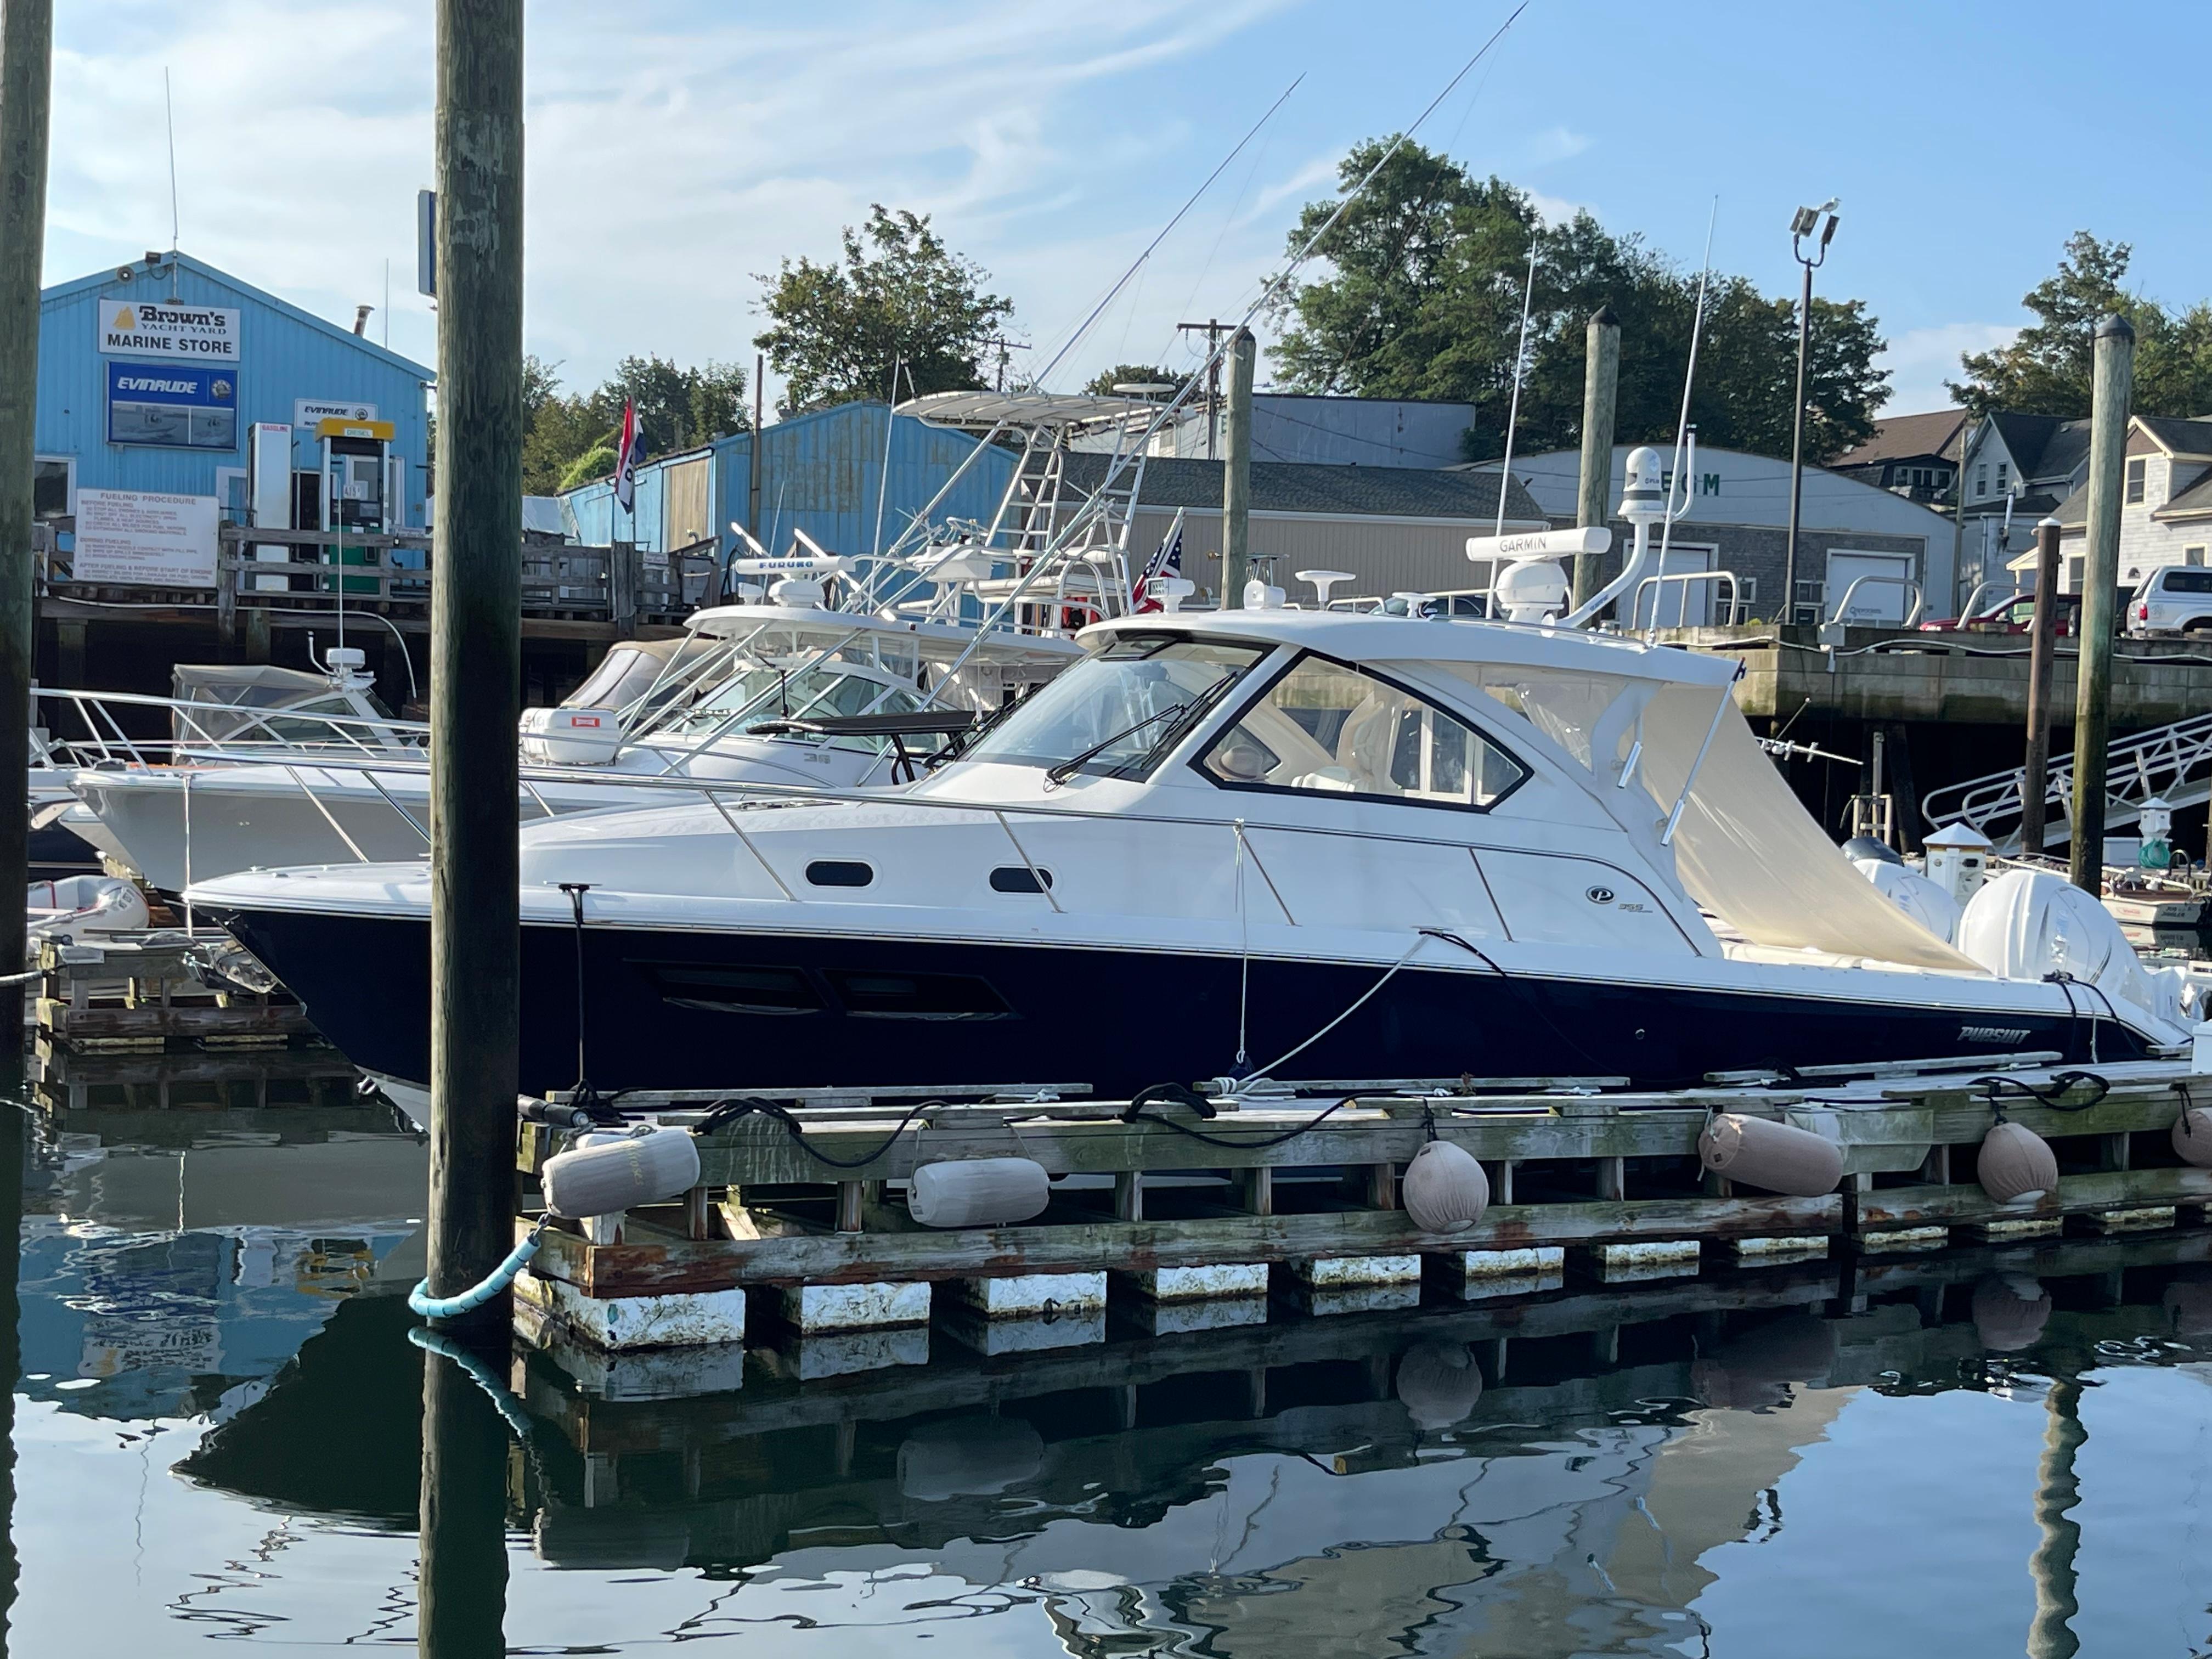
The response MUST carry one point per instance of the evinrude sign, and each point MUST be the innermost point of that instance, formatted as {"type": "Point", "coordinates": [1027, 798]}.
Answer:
{"type": "Point", "coordinates": [168, 330]}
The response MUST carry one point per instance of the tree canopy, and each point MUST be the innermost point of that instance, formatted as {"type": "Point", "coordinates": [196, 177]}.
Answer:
{"type": "Point", "coordinates": [2046, 368]}
{"type": "Point", "coordinates": [677, 409]}
{"type": "Point", "coordinates": [1102, 383]}
{"type": "Point", "coordinates": [1422, 296]}
{"type": "Point", "coordinates": [898, 294]}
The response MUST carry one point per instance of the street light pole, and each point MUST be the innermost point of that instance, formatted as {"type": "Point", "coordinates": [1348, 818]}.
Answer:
{"type": "Point", "coordinates": [1808, 220]}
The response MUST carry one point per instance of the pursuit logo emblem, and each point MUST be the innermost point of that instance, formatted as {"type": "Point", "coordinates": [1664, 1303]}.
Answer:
{"type": "Point", "coordinates": [1992, 1034]}
{"type": "Point", "coordinates": [1598, 895]}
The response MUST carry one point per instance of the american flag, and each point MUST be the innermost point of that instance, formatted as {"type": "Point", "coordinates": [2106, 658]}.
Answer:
{"type": "Point", "coordinates": [1168, 561]}
{"type": "Point", "coordinates": [627, 457]}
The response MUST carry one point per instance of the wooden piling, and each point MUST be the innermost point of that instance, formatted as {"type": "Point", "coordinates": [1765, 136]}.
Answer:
{"type": "Point", "coordinates": [1600, 395]}
{"type": "Point", "coordinates": [2043, 645]}
{"type": "Point", "coordinates": [476, 643]}
{"type": "Point", "coordinates": [1237, 474]}
{"type": "Point", "coordinates": [26, 75]}
{"type": "Point", "coordinates": [2100, 579]}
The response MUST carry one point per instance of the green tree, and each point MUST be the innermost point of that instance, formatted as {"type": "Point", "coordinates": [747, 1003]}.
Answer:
{"type": "Point", "coordinates": [597, 462]}
{"type": "Point", "coordinates": [2046, 370]}
{"type": "Point", "coordinates": [898, 295]}
{"type": "Point", "coordinates": [1422, 298]}
{"type": "Point", "coordinates": [677, 409]}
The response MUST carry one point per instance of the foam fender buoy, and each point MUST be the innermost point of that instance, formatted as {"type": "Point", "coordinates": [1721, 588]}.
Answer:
{"type": "Point", "coordinates": [607, 1174]}
{"type": "Point", "coordinates": [1778, 1157]}
{"type": "Point", "coordinates": [2016, 1165]}
{"type": "Point", "coordinates": [2192, 1137]}
{"type": "Point", "coordinates": [977, 1192]}
{"type": "Point", "coordinates": [1444, 1189]}
{"type": "Point", "coordinates": [1438, 1383]}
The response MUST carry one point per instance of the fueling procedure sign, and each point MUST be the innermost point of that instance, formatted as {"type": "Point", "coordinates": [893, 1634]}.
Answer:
{"type": "Point", "coordinates": [170, 406]}
{"type": "Point", "coordinates": [168, 330]}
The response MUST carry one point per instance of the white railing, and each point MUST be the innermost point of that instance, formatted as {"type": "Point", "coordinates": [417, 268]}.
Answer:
{"type": "Point", "coordinates": [1684, 580]}
{"type": "Point", "coordinates": [210, 731]}
{"type": "Point", "coordinates": [1842, 613]}
{"type": "Point", "coordinates": [2171, 763]}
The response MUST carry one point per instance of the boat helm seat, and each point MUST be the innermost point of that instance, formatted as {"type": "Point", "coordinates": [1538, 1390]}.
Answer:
{"type": "Point", "coordinates": [1363, 751]}
{"type": "Point", "coordinates": [1327, 777]}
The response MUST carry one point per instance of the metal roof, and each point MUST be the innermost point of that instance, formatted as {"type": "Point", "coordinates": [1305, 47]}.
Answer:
{"type": "Point", "coordinates": [972, 411]}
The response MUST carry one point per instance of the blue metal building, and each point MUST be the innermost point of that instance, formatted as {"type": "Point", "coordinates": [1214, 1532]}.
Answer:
{"type": "Point", "coordinates": [167, 409]}
{"type": "Point", "coordinates": [822, 472]}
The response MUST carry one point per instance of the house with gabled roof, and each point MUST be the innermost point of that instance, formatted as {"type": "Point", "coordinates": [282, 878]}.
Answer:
{"type": "Point", "coordinates": [2166, 502]}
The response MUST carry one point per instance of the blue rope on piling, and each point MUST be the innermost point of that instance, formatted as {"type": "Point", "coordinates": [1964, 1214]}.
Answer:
{"type": "Point", "coordinates": [421, 1302]}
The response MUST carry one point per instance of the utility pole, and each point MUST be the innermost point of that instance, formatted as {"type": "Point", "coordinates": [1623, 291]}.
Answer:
{"type": "Point", "coordinates": [1958, 523]}
{"type": "Point", "coordinates": [1806, 222]}
{"type": "Point", "coordinates": [27, 32]}
{"type": "Point", "coordinates": [2113, 383]}
{"type": "Point", "coordinates": [1213, 329]}
{"type": "Point", "coordinates": [1601, 398]}
{"type": "Point", "coordinates": [476, 647]}
{"type": "Point", "coordinates": [1005, 346]}
{"type": "Point", "coordinates": [1237, 477]}
{"type": "Point", "coordinates": [2043, 645]}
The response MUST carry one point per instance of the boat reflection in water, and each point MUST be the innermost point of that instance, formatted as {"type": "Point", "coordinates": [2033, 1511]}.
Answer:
{"type": "Point", "coordinates": [1572, 1472]}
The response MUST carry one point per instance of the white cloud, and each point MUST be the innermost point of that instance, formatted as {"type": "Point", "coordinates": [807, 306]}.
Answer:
{"type": "Point", "coordinates": [1920, 360]}
{"type": "Point", "coordinates": [675, 150]}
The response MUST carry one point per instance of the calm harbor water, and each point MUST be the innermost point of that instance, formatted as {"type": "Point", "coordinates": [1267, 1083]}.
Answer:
{"type": "Point", "coordinates": [219, 1434]}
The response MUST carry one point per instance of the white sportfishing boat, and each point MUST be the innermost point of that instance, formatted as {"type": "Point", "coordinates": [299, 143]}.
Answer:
{"type": "Point", "coordinates": [1305, 844]}
{"type": "Point", "coordinates": [838, 673]}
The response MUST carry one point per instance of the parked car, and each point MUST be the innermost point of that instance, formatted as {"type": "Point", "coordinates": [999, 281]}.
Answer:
{"type": "Point", "coordinates": [2175, 598]}
{"type": "Point", "coordinates": [2014, 614]}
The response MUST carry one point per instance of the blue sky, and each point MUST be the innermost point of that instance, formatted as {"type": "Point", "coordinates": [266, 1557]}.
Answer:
{"type": "Point", "coordinates": [679, 147]}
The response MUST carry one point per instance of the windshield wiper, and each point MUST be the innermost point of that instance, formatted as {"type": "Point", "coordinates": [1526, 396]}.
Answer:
{"type": "Point", "coordinates": [1192, 712]}
{"type": "Point", "coordinates": [1074, 764]}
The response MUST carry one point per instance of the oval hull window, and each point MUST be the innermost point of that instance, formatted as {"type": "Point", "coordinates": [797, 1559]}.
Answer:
{"type": "Point", "coordinates": [840, 873]}
{"type": "Point", "coordinates": [1019, 879]}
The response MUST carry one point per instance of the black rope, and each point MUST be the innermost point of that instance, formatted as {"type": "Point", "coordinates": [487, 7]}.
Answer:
{"type": "Point", "coordinates": [1136, 1115]}
{"type": "Point", "coordinates": [1996, 1088]}
{"type": "Point", "coordinates": [723, 1113]}
{"type": "Point", "coordinates": [575, 890]}
{"type": "Point", "coordinates": [2187, 1106]}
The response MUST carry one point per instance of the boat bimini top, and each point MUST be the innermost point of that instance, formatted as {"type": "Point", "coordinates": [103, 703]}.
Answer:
{"type": "Point", "coordinates": [1653, 734]}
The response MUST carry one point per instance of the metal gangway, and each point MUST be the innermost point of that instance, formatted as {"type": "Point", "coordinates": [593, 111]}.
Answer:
{"type": "Point", "coordinates": [2172, 763]}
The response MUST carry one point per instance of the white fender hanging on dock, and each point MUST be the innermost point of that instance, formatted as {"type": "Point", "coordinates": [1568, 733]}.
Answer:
{"type": "Point", "coordinates": [1444, 1189]}
{"type": "Point", "coordinates": [2016, 1165]}
{"type": "Point", "coordinates": [1777, 1157]}
{"type": "Point", "coordinates": [978, 1192]}
{"type": "Point", "coordinates": [607, 1174]}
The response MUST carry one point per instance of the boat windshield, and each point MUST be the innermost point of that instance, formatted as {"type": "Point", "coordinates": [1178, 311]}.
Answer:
{"type": "Point", "coordinates": [1116, 713]}
{"type": "Point", "coordinates": [768, 694]}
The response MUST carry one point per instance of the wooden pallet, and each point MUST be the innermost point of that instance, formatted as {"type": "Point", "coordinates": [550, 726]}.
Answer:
{"type": "Point", "coordinates": [136, 992]}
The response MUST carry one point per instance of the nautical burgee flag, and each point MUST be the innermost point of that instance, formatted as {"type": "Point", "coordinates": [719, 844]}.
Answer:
{"type": "Point", "coordinates": [1167, 562]}
{"type": "Point", "coordinates": [627, 457]}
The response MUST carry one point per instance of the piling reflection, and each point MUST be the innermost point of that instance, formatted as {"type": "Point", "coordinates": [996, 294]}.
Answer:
{"type": "Point", "coordinates": [461, 1607]}
{"type": "Point", "coordinates": [14, 1133]}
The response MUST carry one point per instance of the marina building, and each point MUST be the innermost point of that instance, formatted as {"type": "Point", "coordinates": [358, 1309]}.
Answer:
{"type": "Point", "coordinates": [169, 377]}
{"type": "Point", "coordinates": [1738, 520]}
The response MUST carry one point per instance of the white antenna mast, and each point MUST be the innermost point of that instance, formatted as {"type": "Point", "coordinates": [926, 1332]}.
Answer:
{"type": "Point", "coordinates": [169, 116]}
{"type": "Point", "coordinates": [1684, 433]}
{"type": "Point", "coordinates": [1520, 367]}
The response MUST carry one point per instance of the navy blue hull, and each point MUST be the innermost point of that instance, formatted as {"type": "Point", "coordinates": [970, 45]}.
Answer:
{"type": "Point", "coordinates": [772, 1010]}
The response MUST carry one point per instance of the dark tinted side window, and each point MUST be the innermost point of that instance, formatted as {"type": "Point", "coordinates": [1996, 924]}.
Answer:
{"type": "Point", "coordinates": [2177, 580]}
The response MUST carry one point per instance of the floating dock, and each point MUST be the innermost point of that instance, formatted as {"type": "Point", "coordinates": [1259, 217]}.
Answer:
{"type": "Point", "coordinates": [1298, 1198]}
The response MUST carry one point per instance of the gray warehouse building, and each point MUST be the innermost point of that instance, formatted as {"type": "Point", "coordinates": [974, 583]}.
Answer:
{"type": "Point", "coordinates": [1396, 528]}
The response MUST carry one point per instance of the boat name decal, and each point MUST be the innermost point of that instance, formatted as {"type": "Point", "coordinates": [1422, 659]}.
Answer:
{"type": "Point", "coordinates": [1993, 1033]}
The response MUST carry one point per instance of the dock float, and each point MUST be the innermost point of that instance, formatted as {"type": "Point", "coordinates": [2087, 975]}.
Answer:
{"type": "Point", "coordinates": [151, 991]}
{"type": "Point", "coordinates": [799, 1204]}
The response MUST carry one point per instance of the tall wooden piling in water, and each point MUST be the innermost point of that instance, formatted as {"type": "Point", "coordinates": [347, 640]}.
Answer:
{"type": "Point", "coordinates": [476, 643]}
{"type": "Point", "coordinates": [1601, 396]}
{"type": "Point", "coordinates": [2043, 646]}
{"type": "Point", "coordinates": [2100, 599]}
{"type": "Point", "coordinates": [26, 75]}
{"type": "Point", "coordinates": [1236, 473]}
